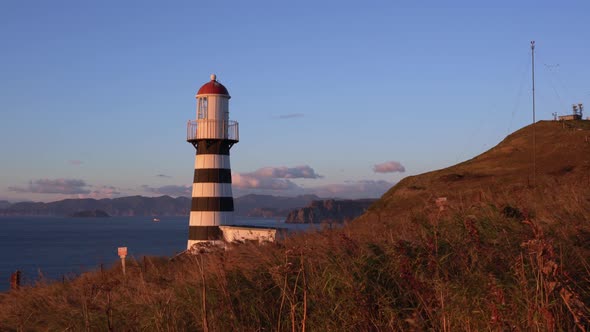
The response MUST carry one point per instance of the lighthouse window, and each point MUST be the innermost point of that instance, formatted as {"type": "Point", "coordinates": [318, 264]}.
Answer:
{"type": "Point", "coordinates": [202, 114]}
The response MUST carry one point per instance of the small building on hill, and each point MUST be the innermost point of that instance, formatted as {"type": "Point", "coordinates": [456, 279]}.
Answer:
{"type": "Point", "coordinates": [577, 113]}
{"type": "Point", "coordinates": [569, 117]}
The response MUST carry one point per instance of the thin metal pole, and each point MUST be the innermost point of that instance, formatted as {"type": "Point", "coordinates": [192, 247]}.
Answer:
{"type": "Point", "coordinates": [534, 131]}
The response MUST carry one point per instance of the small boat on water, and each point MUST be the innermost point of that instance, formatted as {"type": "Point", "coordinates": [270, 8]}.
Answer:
{"type": "Point", "coordinates": [156, 220]}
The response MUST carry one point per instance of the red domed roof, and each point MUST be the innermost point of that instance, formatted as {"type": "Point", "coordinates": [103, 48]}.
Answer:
{"type": "Point", "coordinates": [213, 88]}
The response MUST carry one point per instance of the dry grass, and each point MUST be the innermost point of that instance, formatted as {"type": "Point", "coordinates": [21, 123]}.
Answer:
{"type": "Point", "coordinates": [471, 267]}
{"type": "Point", "coordinates": [501, 256]}
{"type": "Point", "coordinates": [561, 158]}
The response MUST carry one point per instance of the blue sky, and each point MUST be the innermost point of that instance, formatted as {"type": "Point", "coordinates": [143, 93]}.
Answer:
{"type": "Point", "coordinates": [334, 98]}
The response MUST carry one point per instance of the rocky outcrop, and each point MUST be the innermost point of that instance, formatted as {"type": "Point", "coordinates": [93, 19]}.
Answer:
{"type": "Point", "coordinates": [329, 211]}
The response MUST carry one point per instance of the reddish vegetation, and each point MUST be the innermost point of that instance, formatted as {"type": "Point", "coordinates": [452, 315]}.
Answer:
{"type": "Point", "coordinates": [562, 150]}
{"type": "Point", "coordinates": [497, 255]}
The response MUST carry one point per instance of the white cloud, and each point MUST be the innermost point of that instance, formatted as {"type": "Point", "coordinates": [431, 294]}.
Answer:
{"type": "Point", "coordinates": [297, 172]}
{"type": "Point", "coordinates": [170, 190]}
{"type": "Point", "coordinates": [291, 116]}
{"type": "Point", "coordinates": [349, 190]}
{"type": "Point", "coordinates": [254, 181]}
{"type": "Point", "coordinates": [273, 178]}
{"type": "Point", "coordinates": [389, 167]}
{"type": "Point", "coordinates": [352, 190]}
{"type": "Point", "coordinates": [279, 181]}
{"type": "Point", "coordinates": [57, 186]}
{"type": "Point", "coordinates": [102, 192]}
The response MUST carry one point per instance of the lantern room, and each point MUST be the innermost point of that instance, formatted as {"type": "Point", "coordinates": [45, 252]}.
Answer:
{"type": "Point", "coordinates": [212, 116]}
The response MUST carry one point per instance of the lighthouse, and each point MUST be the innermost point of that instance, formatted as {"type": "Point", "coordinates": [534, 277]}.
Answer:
{"type": "Point", "coordinates": [212, 134]}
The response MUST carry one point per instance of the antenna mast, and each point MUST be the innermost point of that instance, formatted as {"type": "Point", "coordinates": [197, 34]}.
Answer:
{"type": "Point", "coordinates": [534, 132]}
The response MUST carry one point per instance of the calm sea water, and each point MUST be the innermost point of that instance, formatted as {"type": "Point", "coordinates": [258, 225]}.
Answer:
{"type": "Point", "coordinates": [55, 246]}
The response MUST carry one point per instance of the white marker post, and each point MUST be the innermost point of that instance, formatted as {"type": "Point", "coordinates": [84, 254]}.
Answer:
{"type": "Point", "coordinates": [441, 202]}
{"type": "Point", "coordinates": [122, 251]}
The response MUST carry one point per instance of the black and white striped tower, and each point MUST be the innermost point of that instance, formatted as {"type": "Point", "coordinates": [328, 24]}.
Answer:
{"type": "Point", "coordinates": [212, 134]}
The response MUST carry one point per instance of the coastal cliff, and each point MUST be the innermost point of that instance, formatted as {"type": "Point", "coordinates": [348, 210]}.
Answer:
{"type": "Point", "coordinates": [330, 210]}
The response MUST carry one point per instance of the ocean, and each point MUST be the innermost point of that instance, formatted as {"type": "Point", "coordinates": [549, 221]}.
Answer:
{"type": "Point", "coordinates": [53, 247]}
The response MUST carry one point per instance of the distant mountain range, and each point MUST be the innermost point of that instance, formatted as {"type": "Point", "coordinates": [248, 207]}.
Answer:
{"type": "Point", "coordinates": [90, 214]}
{"type": "Point", "coordinates": [123, 206]}
{"type": "Point", "coordinates": [329, 211]}
{"type": "Point", "coordinates": [268, 206]}
{"type": "Point", "coordinates": [249, 205]}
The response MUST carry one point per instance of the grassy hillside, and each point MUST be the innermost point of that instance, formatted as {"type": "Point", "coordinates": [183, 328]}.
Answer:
{"type": "Point", "coordinates": [500, 255]}
{"type": "Point", "coordinates": [562, 165]}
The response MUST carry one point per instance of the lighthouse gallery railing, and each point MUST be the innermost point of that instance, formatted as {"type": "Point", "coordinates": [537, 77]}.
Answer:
{"type": "Point", "coordinates": [212, 129]}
